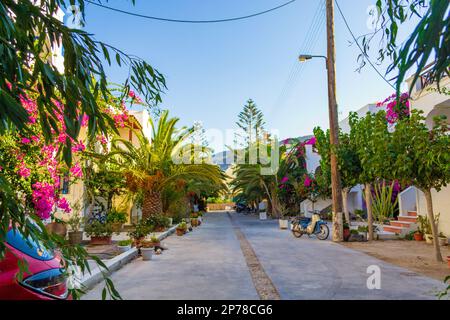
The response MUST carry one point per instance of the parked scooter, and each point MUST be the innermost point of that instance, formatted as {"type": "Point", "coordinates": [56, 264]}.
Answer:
{"type": "Point", "coordinates": [310, 226]}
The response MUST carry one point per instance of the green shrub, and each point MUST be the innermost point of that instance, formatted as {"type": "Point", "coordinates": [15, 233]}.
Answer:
{"type": "Point", "coordinates": [96, 228]}
{"type": "Point", "coordinates": [124, 243]}
{"type": "Point", "coordinates": [115, 216]}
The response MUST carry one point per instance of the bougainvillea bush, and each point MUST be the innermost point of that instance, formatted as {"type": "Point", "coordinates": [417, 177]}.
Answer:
{"type": "Point", "coordinates": [396, 107]}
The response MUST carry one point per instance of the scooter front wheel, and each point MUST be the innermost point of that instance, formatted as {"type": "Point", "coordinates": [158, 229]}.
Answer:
{"type": "Point", "coordinates": [324, 232]}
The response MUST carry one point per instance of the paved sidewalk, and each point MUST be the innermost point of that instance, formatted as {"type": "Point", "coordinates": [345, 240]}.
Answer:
{"type": "Point", "coordinates": [209, 264]}
{"type": "Point", "coordinates": [204, 264]}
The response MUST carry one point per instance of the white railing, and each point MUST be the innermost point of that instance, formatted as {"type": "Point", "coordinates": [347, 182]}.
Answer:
{"type": "Point", "coordinates": [407, 200]}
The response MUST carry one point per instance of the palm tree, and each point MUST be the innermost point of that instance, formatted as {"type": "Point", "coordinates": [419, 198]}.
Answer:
{"type": "Point", "coordinates": [149, 166]}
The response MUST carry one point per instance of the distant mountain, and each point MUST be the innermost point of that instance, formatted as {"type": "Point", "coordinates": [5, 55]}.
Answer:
{"type": "Point", "coordinates": [225, 159]}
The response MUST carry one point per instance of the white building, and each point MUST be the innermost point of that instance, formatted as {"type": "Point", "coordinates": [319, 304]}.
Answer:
{"type": "Point", "coordinates": [425, 97]}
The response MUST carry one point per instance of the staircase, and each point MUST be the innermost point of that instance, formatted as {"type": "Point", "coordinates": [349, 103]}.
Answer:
{"type": "Point", "coordinates": [404, 225]}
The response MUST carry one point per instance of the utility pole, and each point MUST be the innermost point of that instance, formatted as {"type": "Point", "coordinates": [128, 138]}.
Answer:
{"type": "Point", "coordinates": [334, 126]}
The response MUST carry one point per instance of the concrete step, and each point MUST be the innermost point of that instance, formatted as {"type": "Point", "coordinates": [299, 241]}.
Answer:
{"type": "Point", "coordinates": [407, 219]}
{"type": "Point", "coordinates": [405, 224]}
{"type": "Point", "coordinates": [386, 235]}
{"type": "Point", "coordinates": [412, 213]}
{"type": "Point", "coordinates": [394, 229]}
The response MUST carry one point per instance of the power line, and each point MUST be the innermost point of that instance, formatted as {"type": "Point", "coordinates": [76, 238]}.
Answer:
{"type": "Point", "coordinates": [317, 24]}
{"type": "Point", "coordinates": [359, 46]}
{"type": "Point", "coordinates": [191, 21]}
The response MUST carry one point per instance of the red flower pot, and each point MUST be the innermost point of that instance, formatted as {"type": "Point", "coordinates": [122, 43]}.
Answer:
{"type": "Point", "coordinates": [346, 233]}
{"type": "Point", "coordinates": [448, 261]}
{"type": "Point", "coordinates": [98, 241]}
{"type": "Point", "coordinates": [418, 236]}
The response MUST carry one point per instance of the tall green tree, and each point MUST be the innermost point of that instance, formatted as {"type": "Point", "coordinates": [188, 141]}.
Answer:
{"type": "Point", "coordinates": [423, 159]}
{"type": "Point", "coordinates": [348, 162]}
{"type": "Point", "coordinates": [371, 137]}
{"type": "Point", "coordinates": [251, 121]}
{"type": "Point", "coordinates": [29, 31]}
{"type": "Point", "coordinates": [149, 166]}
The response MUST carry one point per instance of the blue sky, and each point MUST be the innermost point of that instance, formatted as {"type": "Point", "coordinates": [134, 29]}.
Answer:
{"type": "Point", "coordinates": [212, 69]}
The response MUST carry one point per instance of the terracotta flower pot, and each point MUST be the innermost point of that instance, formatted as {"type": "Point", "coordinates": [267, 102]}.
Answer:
{"type": "Point", "coordinates": [418, 236]}
{"type": "Point", "coordinates": [194, 222]}
{"type": "Point", "coordinates": [98, 241]}
{"type": "Point", "coordinates": [448, 261]}
{"type": "Point", "coordinates": [346, 234]}
{"type": "Point", "coordinates": [75, 237]}
{"type": "Point", "coordinates": [180, 232]}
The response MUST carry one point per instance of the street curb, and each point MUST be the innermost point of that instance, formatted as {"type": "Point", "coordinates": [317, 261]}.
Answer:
{"type": "Point", "coordinates": [91, 279]}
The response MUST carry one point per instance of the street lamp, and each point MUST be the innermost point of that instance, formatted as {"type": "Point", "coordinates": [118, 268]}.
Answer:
{"type": "Point", "coordinates": [336, 188]}
{"type": "Point", "coordinates": [305, 57]}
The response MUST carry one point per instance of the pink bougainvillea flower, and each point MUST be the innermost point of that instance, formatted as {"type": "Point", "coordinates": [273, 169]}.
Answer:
{"type": "Point", "coordinates": [62, 137]}
{"type": "Point", "coordinates": [76, 171]}
{"type": "Point", "coordinates": [35, 139]}
{"type": "Point", "coordinates": [307, 182]}
{"type": "Point", "coordinates": [102, 139]}
{"type": "Point", "coordinates": [23, 171]}
{"type": "Point", "coordinates": [43, 197]}
{"type": "Point", "coordinates": [311, 141]}
{"type": "Point", "coordinates": [25, 141]}
{"type": "Point", "coordinates": [84, 120]}
{"type": "Point", "coordinates": [79, 147]}
{"type": "Point", "coordinates": [64, 205]}
{"type": "Point", "coordinates": [284, 180]}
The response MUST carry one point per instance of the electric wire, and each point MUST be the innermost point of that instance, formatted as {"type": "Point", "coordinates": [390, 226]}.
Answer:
{"type": "Point", "coordinates": [191, 21]}
{"type": "Point", "coordinates": [309, 43]}
{"type": "Point", "coordinates": [359, 46]}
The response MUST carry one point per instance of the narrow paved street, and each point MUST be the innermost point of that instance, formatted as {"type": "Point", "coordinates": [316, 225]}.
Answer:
{"type": "Point", "coordinates": [209, 264]}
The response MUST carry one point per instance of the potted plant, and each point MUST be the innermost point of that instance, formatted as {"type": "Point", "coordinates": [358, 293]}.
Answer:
{"type": "Point", "coordinates": [443, 241]}
{"type": "Point", "coordinates": [141, 230]}
{"type": "Point", "coordinates": [426, 225]}
{"type": "Point", "coordinates": [146, 250]}
{"type": "Point", "coordinates": [155, 241]}
{"type": "Point", "coordinates": [418, 235]}
{"type": "Point", "coordinates": [124, 245]}
{"type": "Point", "coordinates": [75, 235]}
{"type": "Point", "coordinates": [181, 229]}
{"type": "Point", "coordinates": [158, 222]}
{"type": "Point", "coordinates": [283, 222]}
{"type": "Point", "coordinates": [346, 231]}
{"type": "Point", "coordinates": [100, 232]}
{"type": "Point", "coordinates": [194, 222]}
{"type": "Point", "coordinates": [117, 219]}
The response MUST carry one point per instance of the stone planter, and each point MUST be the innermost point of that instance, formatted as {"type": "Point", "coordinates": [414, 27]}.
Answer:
{"type": "Point", "coordinates": [283, 223]}
{"type": "Point", "coordinates": [429, 238]}
{"type": "Point", "coordinates": [117, 226]}
{"type": "Point", "coordinates": [123, 249]}
{"type": "Point", "coordinates": [443, 241]}
{"type": "Point", "coordinates": [99, 241]}
{"type": "Point", "coordinates": [75, 237]}
{"type": "Point", "coordinates": [263, 216]}
{"type": "Point", "coordinates": [147, 253]}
